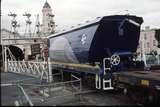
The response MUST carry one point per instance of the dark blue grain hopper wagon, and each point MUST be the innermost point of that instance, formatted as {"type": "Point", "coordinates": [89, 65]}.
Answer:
{"type": "Point", "coordinates": [110, 38]}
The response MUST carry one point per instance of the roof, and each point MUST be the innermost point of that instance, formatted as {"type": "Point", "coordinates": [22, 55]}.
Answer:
{"type": "Point", "coordinates": [6, 30]}
{"type": "Point", "coordinates": [46, 5]}
{"type": "Point", "coordinates": [90, 23]}
{"type": "Point", "coordinates": [86, 24]}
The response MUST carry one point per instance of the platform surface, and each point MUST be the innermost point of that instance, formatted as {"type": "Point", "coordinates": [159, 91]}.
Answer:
{"type": "Point", "coordinates": [151, 75]}
{"type": "Point", "coordinates": [11, 94]}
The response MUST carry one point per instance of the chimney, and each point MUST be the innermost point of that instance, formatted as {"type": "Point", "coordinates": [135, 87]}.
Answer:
{"type": "Point", "coordinates": [147, 27]}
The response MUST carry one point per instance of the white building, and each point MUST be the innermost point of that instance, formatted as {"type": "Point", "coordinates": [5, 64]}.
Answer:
{"type": "Point", "coordinates": [6, 34]}
{"type": "Point", "coordinates": [147, 41]}
{"type": "Point", "coordinates": [48, 24]}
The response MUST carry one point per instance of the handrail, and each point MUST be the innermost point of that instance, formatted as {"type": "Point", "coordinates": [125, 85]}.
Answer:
{"type": "Point", "coordinates": [26, 96]}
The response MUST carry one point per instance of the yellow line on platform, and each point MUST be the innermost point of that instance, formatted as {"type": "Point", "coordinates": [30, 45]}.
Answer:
{"type": "Point", "coordinates": [74, 65]}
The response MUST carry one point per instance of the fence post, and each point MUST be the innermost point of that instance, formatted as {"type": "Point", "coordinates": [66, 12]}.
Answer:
{"type": "Point", "coordinates": [158, 59]}
{"type": "Point", "coordinates": [49, 70]}
{"type": "Point", "coordinates": [5, 60]}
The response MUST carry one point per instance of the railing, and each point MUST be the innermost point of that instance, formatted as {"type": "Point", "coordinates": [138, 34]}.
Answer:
{"type": "Point", "coordinates": [35, 69]}
{"type": "Point", "coordinates": [57, 90]}
{"type": "Point", "coordinates": [152, 60]}
{"type": "Point", "coordinates": [34, 94]}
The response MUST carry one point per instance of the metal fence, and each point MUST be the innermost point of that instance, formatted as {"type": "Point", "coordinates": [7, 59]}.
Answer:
{"type": "Point", "coordinates": [36, 69]}
{"type": "Point", "coordinates": [39, 94]}
{"type": "Point", "coordinates": [152, 60]}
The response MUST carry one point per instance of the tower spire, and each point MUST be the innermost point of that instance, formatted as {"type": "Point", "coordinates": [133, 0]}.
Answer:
{"type": "Point", "coordinates": [46, 5]}
{"type": "Point", "coordinates": [48, 22]}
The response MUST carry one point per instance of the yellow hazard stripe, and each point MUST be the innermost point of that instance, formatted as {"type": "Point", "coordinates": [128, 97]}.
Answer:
{"type": "Point", "coordinates": [74, 65]}
{"type": "Point", "coordinates": [145, 82]}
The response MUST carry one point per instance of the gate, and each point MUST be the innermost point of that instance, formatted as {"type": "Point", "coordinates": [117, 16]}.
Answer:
{"type": "Point", "coordinates": [31, 68]}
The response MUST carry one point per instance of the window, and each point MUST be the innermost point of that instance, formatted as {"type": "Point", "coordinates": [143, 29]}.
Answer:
{"type": "Point", "coordinates": [145, 36]}
{"type": "Point", "coordinates": [154, 42]}
{"type": "Point", "coordinates": [147, 44]}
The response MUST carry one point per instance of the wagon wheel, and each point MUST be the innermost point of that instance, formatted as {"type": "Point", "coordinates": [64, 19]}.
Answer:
{"type": "Point", "coordinates": [115, 60]}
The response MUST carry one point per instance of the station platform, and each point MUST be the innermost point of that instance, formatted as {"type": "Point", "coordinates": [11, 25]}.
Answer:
{"type": "Point", "coordinates": [149, 78]}
{"type": "Point", "coordinates": [10, 94]}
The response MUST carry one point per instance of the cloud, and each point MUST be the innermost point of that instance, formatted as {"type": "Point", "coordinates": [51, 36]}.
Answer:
{"type": "Point", "coordinates": [72, 12]}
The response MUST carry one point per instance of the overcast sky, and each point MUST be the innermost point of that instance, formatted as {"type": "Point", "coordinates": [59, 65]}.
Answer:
{"type": "Point", "coordinates": [73, 12]}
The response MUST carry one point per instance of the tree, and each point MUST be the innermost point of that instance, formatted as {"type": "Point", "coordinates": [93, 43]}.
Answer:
{"type": "Point", "coordinates": [157, 36]}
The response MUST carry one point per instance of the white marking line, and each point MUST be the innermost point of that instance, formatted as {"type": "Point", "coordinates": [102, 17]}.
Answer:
{"type": "Point", "coordinates": [44, 93]}
{"type": "Point", "coordinates": [157, 87]}
{"type": "Point", "coordinates": [16, 103]}
{"type": "Point", "coordinates": [4, 85]}
{"type": "Point", "coordinates": [56, 89]}
{"type": "Point", "coordinates": [42, 100]}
